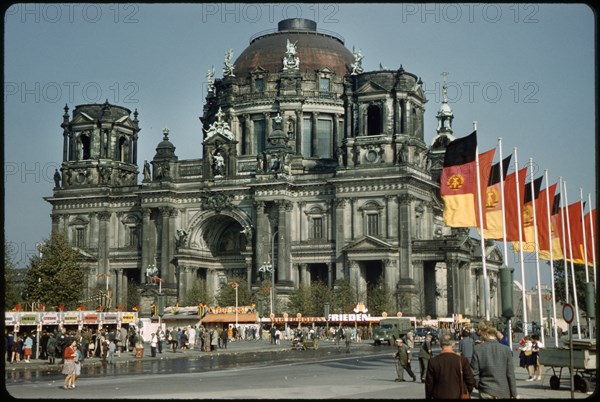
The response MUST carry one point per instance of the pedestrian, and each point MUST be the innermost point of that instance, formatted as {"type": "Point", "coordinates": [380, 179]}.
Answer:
{"type": "Point", "coordinates": [449, 375]}
{"type": "Point", "coordinates": [492, 366]}
{"type": "Point", "coordinates": [214, 340]}
{"type": "Point", "coordinates": [526, 359]}
{"type": "Point", "coordinates": [28, 347]}
{"type": "Point", "coordinates": [537, 367]}
{"type": "Point", "coordinates": [15, 354]}
{"type": "Point", "coordinates": [277, 336]}
{"type": "Point", "coordinates": [153, 344]}
{"type": "Point", "coordinates": [348, 339]}
{"type": "Point", "coordinates": [224, 336]}
{"type": "Point", "coordinates": [51, 348]}
{"type": "Point", "coordinates": [272, 333]}
{"type": "Point", "coordinates": [466, 344]}
{"type": "Point", "coordinates": [425, 354]}
{"type": "Point", "coordinates": [112, 349]}
{"type": "Point", "coordinates": [78, 360]}
{"type": "Point", "coordinates": [161, 338]}
{"type": "Point", "coordinates": [410, 339]}
{"type": "Point", "coordinates": [402, 361]}
{"type": "Point", "coordinates": [69, 364]}
{"type": "Point", "coordinates": [502, 339]}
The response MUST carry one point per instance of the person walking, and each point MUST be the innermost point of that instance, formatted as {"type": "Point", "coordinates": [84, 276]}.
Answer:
{"type": "Point", "coordinates": [78, 360]}
{"type": "Point", "coordinates": [492, 366]}
{"type": "Point", "coordinates": [69, 364]}
{"type": "Point", "coordinates": [112, 348]}
{"type": "Point", "coordinates": [160, 334]}
{"type": "Point", "coordinates": [536, 345]}
{"type": "Point", "coordinates": [402, 361]}
{"type": "Point", "coordinates": [425, 354]}
{"type": "Point", "coordinates": [27, 348]}
{"type": "Point", "coordinates": [224, 336]}
{"type": "Point", "coordinates": [51, 348]}
{"type": "Point", "coordinates": [449, 375]}
{"type": "Point", "coordinates": [466, 344]}
{"type": "Point", "coordinates": [526, 358]}
{"type": "Point", "coordinates": [153, 344]}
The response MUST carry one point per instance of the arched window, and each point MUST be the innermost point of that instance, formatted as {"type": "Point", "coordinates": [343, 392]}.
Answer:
{"type": "Point", "coordinates": [85, 146]}
{"type": "Point", "coordinates": [373, 120]}
{"type": "Point", "coordinates": [122, 149]}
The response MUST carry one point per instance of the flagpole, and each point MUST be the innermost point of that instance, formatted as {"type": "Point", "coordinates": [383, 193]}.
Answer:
{"type": "Point", "coordinates": [521, 259]}
{"type": "Point", "coordinates": [536, 251]}
{"type": "Point", "coordinates": [486, 296]}
{"type": "Point", "coordinates": [504, 230]}
{"type": "Point", "coordinates": [585, 260]}
{"type": "Point", "coordinates": [563, 238]}
{"type": "Point", "coordinates": [554, 326]}
{"type": "Point", "coordinates": [572, 266]}
{"type": "Point", "coordinates": [592, 238]}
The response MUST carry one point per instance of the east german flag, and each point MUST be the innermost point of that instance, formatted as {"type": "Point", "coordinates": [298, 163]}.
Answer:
{"type": "Point", "coordinates": [458, 183]}
{"type": "Point", "coordinates": [588, 233]}
{"type": "Point", "coordinates": [541, 215]}
{"type": "Point", "coordinates": [493, 200]}
{"type": "Point", "coordinates": [527, 231]}
{"type": "Point", "coordinates": [512, 203]}
{"type": "Point", "coordinates": [556, 229]}
{"type": "Point", "coordinates": [574, 221]}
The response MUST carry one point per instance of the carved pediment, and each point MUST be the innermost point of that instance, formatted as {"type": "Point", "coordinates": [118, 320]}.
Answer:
{"type": "Point", "coordinates": [368, 243]}
{"type": "Point", "coordinates": [371, 87]}
{"type": "Point", "coordinates": [82, 118]}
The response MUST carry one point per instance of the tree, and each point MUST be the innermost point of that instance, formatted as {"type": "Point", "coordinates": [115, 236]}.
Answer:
{"type": "Point", "coordinates": [379, 298]}
{"type": "Point", "coordinates": [12, 288]}
{"type": "Point", "coordinates": [197, 294]}
{"type": "Point", "coordinates": [559, 283]}
{"type": "Point", "coordinates": [226, 296]}
{"type": "Point", "coordinates": [57, 275]}
{"type": "Point", "coordinates": [343, 300]}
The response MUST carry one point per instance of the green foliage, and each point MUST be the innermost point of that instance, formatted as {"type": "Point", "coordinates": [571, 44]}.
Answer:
{"type": "Point", "coordinates": [343, 300]}
{"type": "Point", "coordinates": [57, 277]}
{"type": "Point", "coordinates": [226, 295]}
{"type": "Point", "coordinates": [379, 298]}
{"type": "Point", "coordinates": [559, 283]}
{"type": "Point", "coordinates": [197, 294]}
{"type": "Point", "coordinates": [12, 289]}
{"type": "Point", "coordinates": [309, 300]}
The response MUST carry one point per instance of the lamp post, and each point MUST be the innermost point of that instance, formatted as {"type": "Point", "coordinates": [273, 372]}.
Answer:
{"type": "Point", "coordinates": [235, 285]}
{"type": "Point", "coordinates": [270, 267]}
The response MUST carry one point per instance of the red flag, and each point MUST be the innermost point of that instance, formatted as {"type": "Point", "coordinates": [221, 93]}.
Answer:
{"type": "Point", "coordinates": [511, 203]}
{"type": "Point", "coordinates": [588, 234]}
{"type": "Point", "coordinates": [527, 234]}
{"type": "Point", "coordinates": [556, 229]}
{"type": "Point", "coordinates": [493, 198]}
{"type": "Point", "coordinates": [574, 223]}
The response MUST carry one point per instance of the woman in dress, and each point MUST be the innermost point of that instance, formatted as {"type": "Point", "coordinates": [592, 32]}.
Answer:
{"type": "Point", "coordinates": [69, 365]}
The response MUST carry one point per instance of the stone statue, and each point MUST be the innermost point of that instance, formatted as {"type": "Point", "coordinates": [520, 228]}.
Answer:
{"type": "Point", "coordinates": [291, 61]}
{"type": "Point", "coordinates": [151, 273]}
{"type": "Point", "coordinates": [228, 67]}
{"type": "Point", "coordinates": [218, 163]}
{"type": "Point", "coordinates": [210, 78]}
{"type": "Point", "coordinates": [357, 65]}
{"type": "Point", "coordinates": [181, 237]}
{"type": "Point", "coordinates": [147, 176]}
{"type": "Point", "coordinates": [56, 179]}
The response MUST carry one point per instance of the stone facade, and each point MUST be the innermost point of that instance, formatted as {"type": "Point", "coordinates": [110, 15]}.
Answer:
{"type": "Point", "coordinates": [317, 169]}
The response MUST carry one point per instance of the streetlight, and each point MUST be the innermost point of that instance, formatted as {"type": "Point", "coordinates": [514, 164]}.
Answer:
{"type": "Point", "coordinates": [235, 285]}
{"type": "Point", "coordinates": [269, 267]}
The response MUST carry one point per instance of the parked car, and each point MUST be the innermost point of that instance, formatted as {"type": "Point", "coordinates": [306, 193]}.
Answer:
{"type": "Point", "coordinates": [421, 332]}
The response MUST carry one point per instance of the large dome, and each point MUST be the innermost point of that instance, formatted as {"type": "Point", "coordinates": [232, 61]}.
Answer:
{"type": "Point", "coordinates": [316, 49]}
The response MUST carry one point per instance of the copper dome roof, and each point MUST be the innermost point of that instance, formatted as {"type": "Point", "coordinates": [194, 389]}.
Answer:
{"type": "Point", "coordinates": [316, 49]}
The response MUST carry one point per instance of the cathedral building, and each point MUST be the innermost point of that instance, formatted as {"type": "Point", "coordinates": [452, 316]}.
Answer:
{"type": "Point", "coordinates": [311, 168]}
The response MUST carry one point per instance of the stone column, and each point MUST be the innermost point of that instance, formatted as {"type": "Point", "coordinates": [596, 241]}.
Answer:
{"type": "Point", "coordinates": [299, 132]}
{"type": "Point", "coordinates": [340, 235]}
{"type": "Point", "coordinates": [330, 279]}
{"type": "Point", "coordinates": [103, 242]}
{"type": "Point", "coordinates": [167, 276]}
{"type": "Point", "coordinates": [283, 241]}
{"type": "Point", "coordinates": [55, 222]}
{"type": "Point", "coordinates": [313, 141]}
{"type": "Point", "coordinates": [247, 135]}
{"type": "Point", "coordinates": [147, 246]}
{"type": "Point", "coordinates": [404, 235]}
{"type": "Point", "coordinates": [262, 235]}
{"type": "Point", "coordinates": [171, 245]}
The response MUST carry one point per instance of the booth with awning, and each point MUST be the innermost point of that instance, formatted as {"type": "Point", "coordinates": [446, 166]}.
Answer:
{"type": "Point", "coordinates": [242, 318]}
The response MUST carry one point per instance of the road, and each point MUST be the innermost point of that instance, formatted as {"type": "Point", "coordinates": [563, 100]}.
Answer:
{"type": "Point", "coordinates": [253, 370]}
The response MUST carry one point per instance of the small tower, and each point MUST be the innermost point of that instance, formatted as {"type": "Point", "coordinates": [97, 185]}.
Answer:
{"type": "Point", "coordinates": [99, 147]}
{"type": "Point", "coordinates": [163, 161]}
{"type": "Point", "coordinates": [444, 134]}
{"type": "Point", "coordinates": [445, 115]}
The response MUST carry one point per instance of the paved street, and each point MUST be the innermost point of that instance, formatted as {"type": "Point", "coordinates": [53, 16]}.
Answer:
{"type": "Point", "coordinates": [247, 370]}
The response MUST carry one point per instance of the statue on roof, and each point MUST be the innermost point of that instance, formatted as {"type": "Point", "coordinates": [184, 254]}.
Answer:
{"type": "Point", "coordinates": [220, 127]}
{"type": "Point", "coordinates": [228, 67]}
{"type": "Point", "coordinates": [291, 62]}
{"type": "Point", "coordinates": [357, 65]}
{"type": "Point", "coordinates": [210, 78]}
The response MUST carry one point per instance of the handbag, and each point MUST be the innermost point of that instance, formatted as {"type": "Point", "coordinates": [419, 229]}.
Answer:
{"type": "Point", "coordinates": [464, 394]}
{"type": "Point", "coordinates": [528, 352]}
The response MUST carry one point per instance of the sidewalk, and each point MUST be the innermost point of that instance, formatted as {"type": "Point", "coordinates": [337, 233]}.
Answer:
{"type": "Point", "coordinates": [243, 346]}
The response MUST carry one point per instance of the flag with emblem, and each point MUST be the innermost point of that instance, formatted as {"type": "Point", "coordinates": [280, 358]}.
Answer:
{"type": "Point", "coordinates": [574, 232]}
{"type": "Point", "coordinates": [556, 233]}
{"type": "Point", "coordinates": [493, 200]}
{"type": "Point", "coordinates": [542, 216]}
{"type": "Point", "coordinates": [527, 230]}
{"type": "Point", "coordinates": [458, 183]}
{"type": "Point", "coordinates": [512, 203]}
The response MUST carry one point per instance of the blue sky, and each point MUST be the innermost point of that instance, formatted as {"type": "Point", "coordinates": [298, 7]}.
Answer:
{"type": "Point", "coordinates": [524, 72]}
